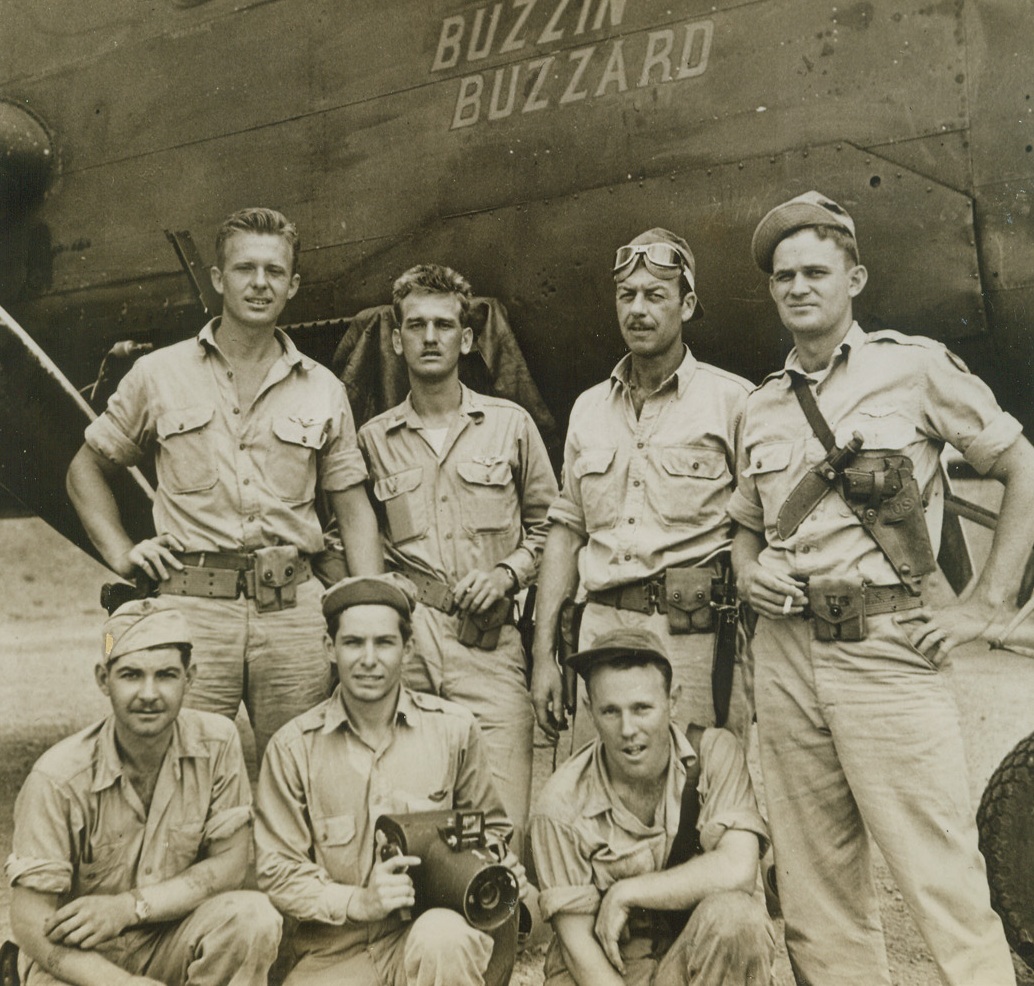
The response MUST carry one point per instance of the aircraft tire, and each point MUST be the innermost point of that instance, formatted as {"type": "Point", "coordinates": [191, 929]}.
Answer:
{"type": "Point", "coordinates": [1006, 823]}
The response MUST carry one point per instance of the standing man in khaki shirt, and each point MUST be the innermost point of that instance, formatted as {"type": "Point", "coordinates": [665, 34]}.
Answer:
{"type": "Point", "coordinates": [462, 483]}
{"type": "Point", "coordinates": [131, 838]}
{"type": "Point", "coordinates": [242, 426]}
{"type": "Point", "coordinates": [372, 748]}
{"type": "Point", "coordinates": [649, 465]}
{"type": "Point", "coordinates": [857, 724]}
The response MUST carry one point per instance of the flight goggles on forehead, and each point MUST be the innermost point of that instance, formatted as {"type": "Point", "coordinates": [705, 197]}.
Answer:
{"type": "Point", "coordinates": [662, 255]}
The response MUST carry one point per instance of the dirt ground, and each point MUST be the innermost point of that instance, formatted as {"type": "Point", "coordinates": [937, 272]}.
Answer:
{"type": "Point", "coordinates": [50, 637]}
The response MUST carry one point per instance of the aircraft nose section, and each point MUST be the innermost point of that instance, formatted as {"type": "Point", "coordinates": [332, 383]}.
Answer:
{"type": "Point", "coordinates": [27, 160]}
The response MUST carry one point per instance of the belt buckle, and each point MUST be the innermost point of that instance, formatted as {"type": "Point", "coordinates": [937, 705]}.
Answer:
{"type": "Point", "coordinates": [654, 594]}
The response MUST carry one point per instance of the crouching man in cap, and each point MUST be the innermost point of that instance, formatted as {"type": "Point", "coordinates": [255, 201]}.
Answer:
{"type": "Point", "coordinates": [857, 725]}
{"type": "Point", "coordinates": [649, 464]}
{"type": "Point", "coordinates": [132, 836]}
{"type": "Point", "coordinates": [645, 828]}
{"type": "Point", "coordinates": [372, 748]}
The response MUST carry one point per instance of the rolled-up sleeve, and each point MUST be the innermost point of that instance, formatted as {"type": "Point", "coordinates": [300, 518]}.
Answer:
{"type": "Point", "coordinates": [296, 885]}
{"type": "Point", "coordinates": [230, 807]}
{"type": "Point", "coordinates": [744, 504]}
{"type": "Point", "coordinates": [124, 432]}
{"type": "Point", "coordinates": [45, 826]}
{"type": "Point", "coordinates": [341, 464]}
{"type": "Point", "coordinates": [538, 491]}
{"type": "Point", "coordinates": [567, 508]}
{"type": "Point", "coordinates": [563, 868]}
{"type": "Point", "coordinates": [726, 795]}
{"type": "Point", "coordinates": [961, 410]}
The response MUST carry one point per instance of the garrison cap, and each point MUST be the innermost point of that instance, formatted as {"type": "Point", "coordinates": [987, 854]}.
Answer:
{"type": "Point", "coordinates": [810, 209]}
{"type": "Point", "coordinates": [143, 623]}
{"type": "Point", "coordinates": [624, 641]}
{"type": "Point", "coordinates": [658, 234]}
{"type": "Point", "coordinates": [392, 590]}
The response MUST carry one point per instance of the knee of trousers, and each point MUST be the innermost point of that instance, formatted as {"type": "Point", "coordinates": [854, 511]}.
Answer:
{"type": "Point", "coordinates": [443, 935]}
{"type": "Point", "coordinates": [252, 925]}
{"type": "Point", "coordinates": [732, 917]}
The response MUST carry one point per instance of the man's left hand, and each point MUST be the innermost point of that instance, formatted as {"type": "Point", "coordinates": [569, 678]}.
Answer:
{"type": "Point", "coordinates": [936, 632]}
{"type": "Point", "coordinates": [479, 590]}
{"type": "Point", "coordinates": [610, 922]}
{"type": "Point", "coordinates": [87, 922]}
{"type": "Point", "coordinates": [511, 862]}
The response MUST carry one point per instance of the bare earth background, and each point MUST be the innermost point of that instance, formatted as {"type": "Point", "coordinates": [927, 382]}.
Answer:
{"type": "Point", "coordinates": [50, 622]}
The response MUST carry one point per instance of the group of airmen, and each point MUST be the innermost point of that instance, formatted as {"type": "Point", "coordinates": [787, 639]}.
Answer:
{"type": "Point", "coordinates": [403, 686]}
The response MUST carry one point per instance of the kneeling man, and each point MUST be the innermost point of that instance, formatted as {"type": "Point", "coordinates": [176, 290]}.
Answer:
{"type": "Point", "coordinates": [372, 748]}
{"type": "Point", "coordinates": [643, 829]}
{"type": "Point", "coordinates": [132, 836]}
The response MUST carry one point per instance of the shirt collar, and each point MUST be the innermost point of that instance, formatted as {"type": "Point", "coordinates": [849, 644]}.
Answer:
{"type": "Point", "coordinates": [335, 715]}
{"type": "Point", "coordinates": [683, 374]}
{"type": "Point", "coordinates": [187, 742]}
{"type": "Point", "coordinates": [855, 338]}
{"type": "Point", "coordinates": [601, 796]}
{"type": "Point", "coordinates": [291, 354]}
{"type": "Point", "coordinates": [472, 405]}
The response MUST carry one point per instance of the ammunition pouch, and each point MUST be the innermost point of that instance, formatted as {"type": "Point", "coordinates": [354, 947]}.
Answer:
{"type": "Point", "coordinates": [838, 609]}
{"type": "Point", "coordinates": [883, 493]}
{"type": "Point", "coordinates": [482, 630]}
{"type": "Point", "coordinates": [687, 593]}
{"type": "Point", "coordinates": [275, 573]}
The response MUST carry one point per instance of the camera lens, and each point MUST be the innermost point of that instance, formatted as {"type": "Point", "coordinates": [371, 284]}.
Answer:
{"type": "Point", "coordinates": [489, 895]}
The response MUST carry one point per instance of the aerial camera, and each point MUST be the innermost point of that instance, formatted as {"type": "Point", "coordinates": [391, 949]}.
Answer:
{"type": "Point", "coordinates": [458, 868]}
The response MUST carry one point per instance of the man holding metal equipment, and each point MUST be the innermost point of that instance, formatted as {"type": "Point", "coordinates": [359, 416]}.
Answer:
{"type": "Point", "coordinates": [647, 842]}
{"type": "Point", "coordinates": [364, 761]}
{"type": "Point", "coordinates": [857, 725]}
{"type": "Point", "coordinates": [649, 466]}
{"type": "Point", "coordinates": [461, 484]}
{"type": "Point", "coordinates": [131, 838]}
{"type": "Point", "coordinates": [242, 426]}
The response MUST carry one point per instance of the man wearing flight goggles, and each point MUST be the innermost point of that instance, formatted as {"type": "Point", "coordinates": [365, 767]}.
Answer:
{"type": "Point", "coordinates": [649, 469]}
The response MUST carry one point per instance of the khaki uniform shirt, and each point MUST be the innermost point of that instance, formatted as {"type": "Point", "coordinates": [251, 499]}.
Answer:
{"type": "Point", "coordinates": [79, 825]}
{"type": "Point", "coordinates": [905, 394]}
{"type": "Point", "coordinates": [652, 492]}
{"type": "Point", "coordinates": [584, 839]}
{"type": "Point", "coordinates": [322, 789]}
{"type": "Point", "coordinates": [481, 502]}
{"type": "Point", "coordinates": [233, 478]}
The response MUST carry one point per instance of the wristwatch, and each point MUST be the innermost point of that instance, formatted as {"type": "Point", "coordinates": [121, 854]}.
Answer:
{"type": "Point", "coordinates": [141, 909]}
{"type": "Point", "coordinates": [513, 576]}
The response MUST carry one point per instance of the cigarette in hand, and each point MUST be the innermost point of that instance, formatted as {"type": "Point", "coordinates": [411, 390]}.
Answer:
{"type": "Point", "coordinates": [787, 605]}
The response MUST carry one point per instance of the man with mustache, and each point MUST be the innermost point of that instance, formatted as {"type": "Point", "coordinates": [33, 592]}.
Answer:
{"type": "Point", "coordinates": [461, 484]}
{"type": "Point", "coordinates": [649, 466]}
{"type": "Point", "coordinates": [131, 838]}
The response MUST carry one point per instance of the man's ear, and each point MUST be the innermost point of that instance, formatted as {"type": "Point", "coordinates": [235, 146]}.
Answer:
{"type": "Point", "coordinates": [396, 341]}
{"type": "Point", "coordinates": [101, 673]}
{"type": "Point", "coordinates": [673, 698]}
{"type": "Point", "coordinates": [296, 279]}
{"type": "Point", "coordinates": [217, 279]}
{"type": "Point", "coordinates": [328, 646]}
{"type": "Point", "coordinates": [190, 673]}
{"type": "Point", "coordinates": [857, 277]}
{"type": "Point", "coordinates": [689, 304]}
{"type": "Point", "coordinates": [466, 340]}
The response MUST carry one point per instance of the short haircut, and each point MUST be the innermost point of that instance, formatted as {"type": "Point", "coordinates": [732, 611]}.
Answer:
{"type": "Point", "coordinates": [622, 662]}
{"type": "Point", "coordinates": [185, 650]}
{"type": "Point", "coordinates": [334, 622]}
{"type": "Point", "coordinates": [433, 279]}
{"type": "Point", "coordinates": [257, 220]}
{"type": "Point", "coordinates": [840, 236]}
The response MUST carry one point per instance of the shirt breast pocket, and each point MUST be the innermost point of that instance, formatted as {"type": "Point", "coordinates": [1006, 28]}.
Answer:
{"type": "Point", "coordinates": [337, 847]}
{"type": "Point", "coordinates": [770, 468]}
{"type": "Point", "coordinates": [292, 464]}
{"type": "Point", "coordinates": [489, 497]}
{"type": "Point", "coordinates": [404, 507]}
{"type": "Point", "coordinates": [610, 865]}
{"type": "Point", "coordinates": [690, 480]}
{"type": "Point", "coordinates": [186, 462]}
{"type": "Point", "coordinates": [595, 475]}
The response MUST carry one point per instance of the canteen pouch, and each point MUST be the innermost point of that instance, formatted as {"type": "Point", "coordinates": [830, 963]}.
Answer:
{"type": "Point", "coordinates": [837, 609]}
{"type": "Point", "coordinates": [276, 572]}
{"type": "Point", "coordinates": [687, 593]}
{"type": "Point", "coordinates": [482, 630]}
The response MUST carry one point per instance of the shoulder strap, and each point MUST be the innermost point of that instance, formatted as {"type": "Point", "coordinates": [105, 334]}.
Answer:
{"type": "Point", "coordinates": [810, 407]}
{"type": "Point", "coordinates": [686, 844]}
